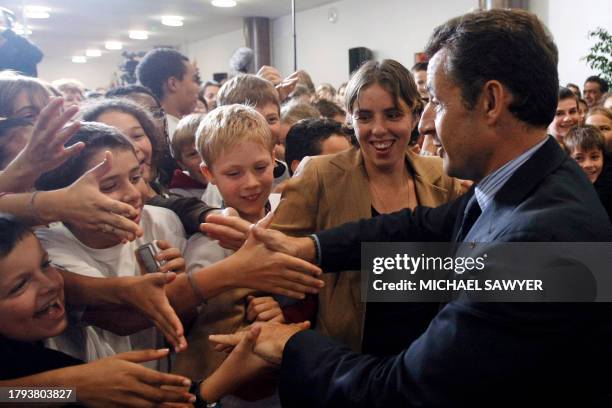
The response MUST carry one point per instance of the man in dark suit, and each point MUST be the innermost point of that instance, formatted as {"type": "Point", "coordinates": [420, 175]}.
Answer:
{"type": "Point", "coordinates": [493, 86]}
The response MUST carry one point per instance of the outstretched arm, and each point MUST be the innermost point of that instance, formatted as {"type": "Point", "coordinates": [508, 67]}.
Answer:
{"type": "Point", "coordinates": [115, 381]}
{"type": "Point", "coordinates": [45, 150]}
{"type": "Point", "coordinates": [81, 203]}
{"type": "Point", "coordinates": [126, 305]}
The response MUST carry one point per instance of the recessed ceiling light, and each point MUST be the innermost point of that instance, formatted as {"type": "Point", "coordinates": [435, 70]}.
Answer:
{"type": "Point", "coordinates": [223, 3]}
{"type": "Point", "coordinates": [79, 59]}
{"type": "Point", "coordinates": [172, 21]}
{"type": "Point", "coordinates": [19, 29]}
{"type": "Point", "coordinates": [93, 52]}
{"type": "Point", "coordinates": [37, 12]}
{"type": "Point", "coordinates": [139, 35]}
{"type": "Point", "coordinates": [113, 45]}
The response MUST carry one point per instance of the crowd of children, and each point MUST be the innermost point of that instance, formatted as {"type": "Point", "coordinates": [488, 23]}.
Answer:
{"type": "Point", "coordinates": [87, 181]}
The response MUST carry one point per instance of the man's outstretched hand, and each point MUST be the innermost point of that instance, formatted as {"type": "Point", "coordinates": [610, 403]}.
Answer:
{"type": "Point", "coordinates": [231, 231]}
{"type": "Point", "coordinates": [270, 341]}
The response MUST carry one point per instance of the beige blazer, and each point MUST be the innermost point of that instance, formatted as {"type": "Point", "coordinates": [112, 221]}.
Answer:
{"type": "Point", "coordinates": [331, 191]}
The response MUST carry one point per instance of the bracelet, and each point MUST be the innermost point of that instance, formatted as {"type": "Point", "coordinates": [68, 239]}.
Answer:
{"type": "Point", "coordinates": [195, 287]}
{"type": "Point", "coordinates": [201, 402]}
{"type": "Point", "coordinates": [33, 207]}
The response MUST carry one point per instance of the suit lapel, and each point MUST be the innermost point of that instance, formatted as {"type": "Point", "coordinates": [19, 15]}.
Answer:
{"type": "Point", "coordinates": [520, 185]}
{"type": "Point", "coordinates": [544, 161]}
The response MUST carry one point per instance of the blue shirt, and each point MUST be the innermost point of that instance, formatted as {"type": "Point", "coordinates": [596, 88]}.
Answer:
{"type": "Point", "coordinates": [492, 183]}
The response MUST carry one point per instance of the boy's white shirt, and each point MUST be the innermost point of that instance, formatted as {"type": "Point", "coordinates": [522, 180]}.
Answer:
{"type": "Point", "coordinates": [91, 343]}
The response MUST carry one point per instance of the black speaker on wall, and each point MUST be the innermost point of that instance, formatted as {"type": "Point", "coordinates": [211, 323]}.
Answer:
{"type": "Point", "coordinates": [220, 76]}
{"type": "Point", "coordinates": [357, 56]}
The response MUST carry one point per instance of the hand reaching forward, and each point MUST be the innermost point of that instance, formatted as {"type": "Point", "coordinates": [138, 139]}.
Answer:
{"type": "Point", "coordinates": [302, 247]}
{"type": "Point", "coordinates": [45, 150]}
{"type": "Point", "coordinates": [270, 340]}
{"type": "Point", "coordinates": [238, 369]}
{"type": "Point", "coordinates": [83, 204]}
{"type": "Point", "coordinates": [231, 231]}
{"type": "Point", "coordinates": [283, 86]}
{"type": "Point", "coordinates": [147, 295]}
{"type": "Point", "coordinates": [227, 227]}
{"type": "Point", "coordinates": [121, 381]}
{"type": "Point", "coordinates": [257, 266]}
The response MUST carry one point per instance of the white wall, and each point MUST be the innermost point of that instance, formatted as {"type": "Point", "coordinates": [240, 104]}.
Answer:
{"type": "Point", "coordinates": [569, 22]}
{"type": "Point", "coordinates": [390, 28]}
{"type": "Point", "coordinates": [213, 54]}
{"type": "Point", "coordinates": [97, 72]}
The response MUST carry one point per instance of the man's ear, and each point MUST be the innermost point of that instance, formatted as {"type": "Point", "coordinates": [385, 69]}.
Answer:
{"type": "Point", "coordinates": [171, 84]}
{"type": "Point", "coordinates": [205, 170]}
{"type": "Point", "coordinates": [494, 99]}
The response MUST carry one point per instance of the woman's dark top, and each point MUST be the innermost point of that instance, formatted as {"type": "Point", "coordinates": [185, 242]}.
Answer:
{"type": "Point", "coordinates": [390, 328]}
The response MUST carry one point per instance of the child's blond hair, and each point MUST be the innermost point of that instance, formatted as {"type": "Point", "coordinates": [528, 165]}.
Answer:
{"type": "Point", "coordinates": [293, 112]}
{"type": "Point", "coordinates": [227, 126]}
{"type": "Point", "coordinates": [248, 89]}
{"type": "Point", "coordinates": [185, 132]}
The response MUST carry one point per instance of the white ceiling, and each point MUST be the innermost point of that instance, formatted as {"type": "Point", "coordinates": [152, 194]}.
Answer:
{"type": "Point", "coordinates": [79, 24]}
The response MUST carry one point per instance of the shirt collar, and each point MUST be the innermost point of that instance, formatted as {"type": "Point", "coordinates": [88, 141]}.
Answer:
{"type": "Point", "coordinates": [489, 186]}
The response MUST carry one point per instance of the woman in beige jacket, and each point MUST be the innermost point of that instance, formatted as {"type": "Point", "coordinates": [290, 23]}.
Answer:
{"type": "Point", "coordinates": [380, 176]}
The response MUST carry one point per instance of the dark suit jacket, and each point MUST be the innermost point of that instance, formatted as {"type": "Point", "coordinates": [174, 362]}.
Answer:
{"type": "Point", "coordinates": [473, 354]}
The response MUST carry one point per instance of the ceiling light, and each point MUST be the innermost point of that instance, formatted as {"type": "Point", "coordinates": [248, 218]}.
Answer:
{"type": "Point", "coordinates": [172, 21]}
{"type": "Point", "coordinates": [113, 45]}
{"type": "Point", "coordinates": [224, 3]}
{"type": "Point", "coordinates": [36, 12]}
{"type": "Point", "coordinates": [19, 29]}
{"type": "Point", "coordinates": [79, 59]}
{"type": "Point", "coordinates": [92, 52]}
{"type": "Point", "coordinates": [139, 35]}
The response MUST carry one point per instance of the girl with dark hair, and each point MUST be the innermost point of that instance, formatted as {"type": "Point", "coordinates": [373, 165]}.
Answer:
{"type": "Point", "coordinates": [145, 98]}
{"type": "Point", "coordinates": [566, 115]}
{"type": "Point", "coordinates": [102, 254]}
{"type": "Point", "coordinates": [33, 137]}
{"type": "Point", "coordinates": [133, 121]}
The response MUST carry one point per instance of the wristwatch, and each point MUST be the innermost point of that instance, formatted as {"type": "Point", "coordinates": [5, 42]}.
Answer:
{"type": "Point", "coordinates": [201, 402]}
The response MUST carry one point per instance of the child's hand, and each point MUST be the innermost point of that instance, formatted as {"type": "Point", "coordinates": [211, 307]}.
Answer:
{"type": "Point", "coordinates": [227, 227]}
{"type": "Point", "coordinates": [264, 309]}
{"type": "Point", "coordinates": [240, 367]}
{"type": "Point", "coordinates": [121, 381]}
{"type": "Point", "coordinates": [171, 257]}
{"type": "Point", "coordinates": [147, 295]}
